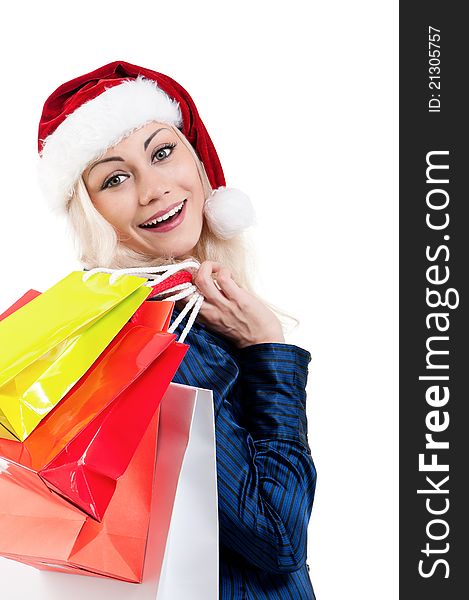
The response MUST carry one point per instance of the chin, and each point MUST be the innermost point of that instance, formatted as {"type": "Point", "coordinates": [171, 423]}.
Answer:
{"type": "Point", "coordinates": [177, 250]}
{"type": "Point", "coordinates": [183, 247]}
{"type": "Point", "coordinates": [179, 247]}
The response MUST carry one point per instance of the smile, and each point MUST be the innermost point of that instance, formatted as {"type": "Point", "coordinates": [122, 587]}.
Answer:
{"type": "Point", "coordinates": [164, 217]}
{"type": "Point", "coordinates": [168, 220]}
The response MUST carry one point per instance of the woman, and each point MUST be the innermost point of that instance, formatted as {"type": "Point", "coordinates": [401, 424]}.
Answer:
{"type": "Point", "coordinates": [126, 156]}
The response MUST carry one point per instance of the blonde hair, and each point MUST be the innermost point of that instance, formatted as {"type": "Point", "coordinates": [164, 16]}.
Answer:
{"type": "Point", "coordinates": [98, 244]}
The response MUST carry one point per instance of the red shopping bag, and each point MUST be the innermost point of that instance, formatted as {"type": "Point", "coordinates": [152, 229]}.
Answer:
{"type": "Point", "coordinates": [96, 458]}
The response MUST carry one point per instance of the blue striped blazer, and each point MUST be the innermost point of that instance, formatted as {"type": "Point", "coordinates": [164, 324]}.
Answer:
{"type": "Point", "coordinates": [266, 476]}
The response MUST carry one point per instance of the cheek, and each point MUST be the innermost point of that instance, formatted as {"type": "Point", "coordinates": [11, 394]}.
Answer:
{"type": "Point", "coordinates": [106, 210]}
{"type": "Point", "coordinates": [197, 205]}
{"type": "Point", "coordinates": [115, 213]}
{"type": "Point", "coordinates": [188, 176]}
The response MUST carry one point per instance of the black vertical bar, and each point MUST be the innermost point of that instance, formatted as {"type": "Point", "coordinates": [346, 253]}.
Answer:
{"type": "Point", "coordinates": [434, 102]}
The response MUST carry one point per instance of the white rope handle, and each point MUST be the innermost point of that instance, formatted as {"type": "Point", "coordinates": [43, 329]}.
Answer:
{"type": "Point", "coordinates": [147, 272]}
{"type": "Point", "coordinates": [163, 272]}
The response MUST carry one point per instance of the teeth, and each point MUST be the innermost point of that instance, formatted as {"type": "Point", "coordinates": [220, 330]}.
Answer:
{"type": "Point", "coordinates": [170, 213]}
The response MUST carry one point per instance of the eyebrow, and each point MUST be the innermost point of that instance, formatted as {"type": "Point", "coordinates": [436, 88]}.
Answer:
{"type": "Point", "coordinates": [112, 158]}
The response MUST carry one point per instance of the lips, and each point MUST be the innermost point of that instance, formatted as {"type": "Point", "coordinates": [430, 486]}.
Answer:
{"type": "Point", "coordinates": [166, 219]}
{"type": "Point", "coordinates": [162, 213]}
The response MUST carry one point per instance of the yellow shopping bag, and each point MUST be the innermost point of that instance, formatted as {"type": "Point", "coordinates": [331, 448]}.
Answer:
{"type": "Point", "coordinates": [48, 344]}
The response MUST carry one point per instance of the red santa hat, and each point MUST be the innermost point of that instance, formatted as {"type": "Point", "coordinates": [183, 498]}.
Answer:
{"type": "Point", "coordinates": [84, 117]}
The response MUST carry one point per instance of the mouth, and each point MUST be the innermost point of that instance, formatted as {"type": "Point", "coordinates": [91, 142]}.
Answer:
{"type": "Point", "coordinates": [165, 221]}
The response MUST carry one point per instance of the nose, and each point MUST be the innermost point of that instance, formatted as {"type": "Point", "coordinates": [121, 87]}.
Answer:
{"type": "Point", "coordinates": [152, 187]}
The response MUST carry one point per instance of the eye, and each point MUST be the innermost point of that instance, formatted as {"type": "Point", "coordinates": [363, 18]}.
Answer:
{"type": "Point", "coordinates": [163, 152]}
{"type": "Point", "coordinates": [113, 181]}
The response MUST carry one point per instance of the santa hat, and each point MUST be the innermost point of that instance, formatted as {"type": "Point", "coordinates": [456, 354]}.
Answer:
{"type": "Point", "coordinates": [91, 113]}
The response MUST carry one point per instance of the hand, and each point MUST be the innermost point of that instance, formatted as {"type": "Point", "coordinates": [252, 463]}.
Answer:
{"type": "Point", "coordinates": [232, 311]}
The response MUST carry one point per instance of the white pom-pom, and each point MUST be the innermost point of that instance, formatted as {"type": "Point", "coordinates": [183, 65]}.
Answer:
{"type": "Point", "coordinates": [228, 212]}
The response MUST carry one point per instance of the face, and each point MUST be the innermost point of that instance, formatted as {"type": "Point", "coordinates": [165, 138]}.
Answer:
{"type": "Point", "coordinates": [148, 188]}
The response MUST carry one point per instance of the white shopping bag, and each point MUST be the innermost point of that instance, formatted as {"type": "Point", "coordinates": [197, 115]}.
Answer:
{"type": "Point", "coordinates": [190, 567]}
{"type": "Point", "coordinates": [187, 567]}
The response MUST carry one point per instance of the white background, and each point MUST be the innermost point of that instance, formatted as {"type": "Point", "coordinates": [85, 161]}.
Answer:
{"type": "Point", "coordinates": [300, 99]}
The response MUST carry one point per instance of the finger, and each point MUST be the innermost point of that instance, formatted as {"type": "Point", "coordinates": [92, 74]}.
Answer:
{"type": "Point", "coordinates": [204, 281]}
{"type": "Point", "coordinates": [227, 285]}
{"type": "Point", "coordinates": [217, 269]}
{"type": "Point", "coordinates": [224, 279]}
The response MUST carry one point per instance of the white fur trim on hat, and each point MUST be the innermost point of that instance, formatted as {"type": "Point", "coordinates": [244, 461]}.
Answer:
{"type": "Point", "coordinates": [94, 127]}
{"type": "Point", "coordinates": [228, 212]}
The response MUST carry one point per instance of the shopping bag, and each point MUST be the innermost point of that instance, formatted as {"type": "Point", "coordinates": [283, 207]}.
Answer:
{"type": "Point", "coordinates": [40, 528]}
{"type": "Point", "coordinates": [190, 563]}
{"type": "Point", "coordinates": [91, 435]}
{"type": "Point", "coordinates": [107, 549]}
{"type": "Point", "coordinates": [27, 297]}
{"type": "Point", "coordinates": [96, 458]}
{"type": "Point", "coordinates": [51, 341]}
